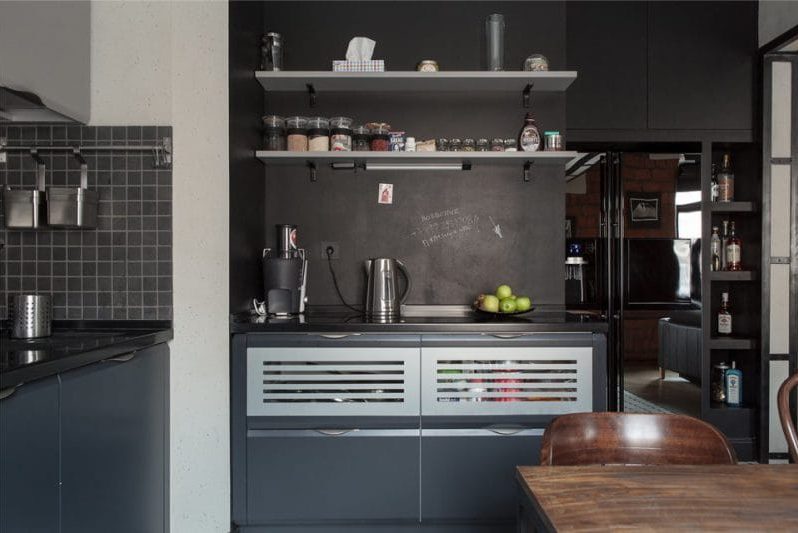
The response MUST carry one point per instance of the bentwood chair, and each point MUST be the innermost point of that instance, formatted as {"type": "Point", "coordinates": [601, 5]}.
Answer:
{"type": "Point", "coordinates": [633, 439]}
{"type": "Point", "coordinates": [785, 416]}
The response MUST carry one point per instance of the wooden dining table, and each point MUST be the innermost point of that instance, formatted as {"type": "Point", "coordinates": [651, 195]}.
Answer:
{"type": "Point", "coordinates": [658, 498]}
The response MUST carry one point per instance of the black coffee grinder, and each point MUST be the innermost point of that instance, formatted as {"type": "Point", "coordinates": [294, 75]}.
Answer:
{"type": "Point", "coordinates": [285, 275]}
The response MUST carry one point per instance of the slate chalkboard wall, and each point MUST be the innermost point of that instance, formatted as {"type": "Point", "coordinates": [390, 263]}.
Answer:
{"type": "Point", "coordinates": [445, 225]}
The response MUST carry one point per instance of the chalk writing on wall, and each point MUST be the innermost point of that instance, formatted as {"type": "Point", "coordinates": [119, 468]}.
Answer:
{"type": "Point", "coordinates": [441, 226]}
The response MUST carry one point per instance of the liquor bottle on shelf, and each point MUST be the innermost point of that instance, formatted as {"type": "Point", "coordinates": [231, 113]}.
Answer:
{"type": "Point", "coordinates": [734, 250]}
{"type": "Point", "coordinates": [724, 315]}
{"type": "Point", "coordinates": [734, 385]}
{"type": "Point", "coordinates": [726, 181]}
{"type": "Point", "coordinates": [714, 191]}
{"type": "Point", "coordinates": [715, 249]}
{"type": "Point", "coordinates": [724, 239]}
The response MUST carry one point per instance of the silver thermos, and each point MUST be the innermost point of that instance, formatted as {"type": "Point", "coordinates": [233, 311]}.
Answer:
{"type": "Point", "coordinates": [382, 287]}
{"type": "Point", "coordinates": [32, 316]}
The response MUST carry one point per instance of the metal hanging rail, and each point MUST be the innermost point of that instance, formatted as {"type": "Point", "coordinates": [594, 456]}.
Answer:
{"type": "Point", "coordinates": [161, 152]}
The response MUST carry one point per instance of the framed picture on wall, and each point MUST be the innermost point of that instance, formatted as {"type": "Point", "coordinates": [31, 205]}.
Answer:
{"type": "Point", "coordinates": [643, 209]}
{"type": "Point", "coordinates": [570, 227]}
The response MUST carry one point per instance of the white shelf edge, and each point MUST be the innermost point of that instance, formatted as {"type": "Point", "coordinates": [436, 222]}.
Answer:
{"type": "Point", "coordinates": [547, 158]}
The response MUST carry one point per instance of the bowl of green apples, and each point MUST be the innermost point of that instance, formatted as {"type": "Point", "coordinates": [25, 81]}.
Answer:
{"type": "Point", "coordinates": [503, 303]}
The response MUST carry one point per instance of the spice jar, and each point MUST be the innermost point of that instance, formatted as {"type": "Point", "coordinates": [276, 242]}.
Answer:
{"type": "Point", "coordinates": [442, 145]}
{"type": "Point", "coordinates": [553, 141]}
{"type": "Point", "coordinates": [360, 139]}
{"type": "Point", "coordinates": [497, 145]}
{"type": "Point", "coordinates": [536, 63]}
{"type": "Point", "coordinates": [469, 145]}
{"type": "Point", "coordinates": [274, 133]}
{"type": "Point", "coordinates": [510, 145]}
{"type": "Point", "coordinates": [482, 145]}
{"type": "Point", "coordinates": [297, 132]}
{"type": "Point", "coordinates": [341, 134]}
{"type": "Point", "coordinates": [455, 145]}
{"type": "Point", "coordinates": [318, 134]}
{"type": "Point", "coordinates": [380, 137]}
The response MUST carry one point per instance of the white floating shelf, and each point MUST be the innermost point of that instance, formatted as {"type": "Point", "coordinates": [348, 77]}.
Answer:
{"type": "Point", "coordinates": [505, 81]}
{"type": "Point", "coordinates": [417, 158]}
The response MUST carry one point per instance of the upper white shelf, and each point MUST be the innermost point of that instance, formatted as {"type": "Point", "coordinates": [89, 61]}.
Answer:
{"type": "Point", "coordinates": [505, 81]}
{"type": "Point", "coordinates": [492, 158]}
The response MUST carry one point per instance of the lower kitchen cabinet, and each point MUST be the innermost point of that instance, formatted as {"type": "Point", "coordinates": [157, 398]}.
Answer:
{"type": "Point", "coordinates": [29, 457]}
{"type": "Point", "coordinates": [332, 475]}
{"type": "Point", "coordinates": [469, 474]}
{"type": "Point", "coordinates": [114, 444]}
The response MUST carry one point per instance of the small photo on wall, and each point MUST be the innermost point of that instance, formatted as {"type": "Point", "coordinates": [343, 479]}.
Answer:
{"type": "Point", "coordinates": [643, 209]}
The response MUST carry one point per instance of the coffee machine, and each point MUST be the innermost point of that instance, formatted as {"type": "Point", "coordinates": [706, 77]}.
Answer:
{"type": "Point", "coordinates": [285, 275]}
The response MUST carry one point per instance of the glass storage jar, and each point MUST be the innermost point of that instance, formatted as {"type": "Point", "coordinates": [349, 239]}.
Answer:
{"type": "Point", "coordinates": [341, 134]}
{"type": "Point", "coordinates": [442, 145]}
{"type": "Point", "coordinates": [455, 145]}
{"type": "Point", "coordinates": [497, 145]}
{"type": "Point", "coordinates": [469, 145]}
{"type": "Point", "coordinates": [380, 137]}
{"type": "Point", "coordinates": [318, 134]}
{"type": "Point", "coordinates": [510, 145]}
{"type": "Point", "coordinates": [274, 133]}
{"type": "Point", "coordinates": [297, 134]}
{"type": "Point", "coordinates": [482, 145]}
{"type": "Point", "coordinates": [361, 136]}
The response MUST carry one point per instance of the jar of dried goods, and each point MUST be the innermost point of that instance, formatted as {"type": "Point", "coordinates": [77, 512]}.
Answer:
{"type": "Point", "coordinates": [297, 134]}
{"type": "Point", "coordinates": [341, 134]}
{"type": "Point", "coordinates": [318, 134]}
{"type": "Point", "coordinates": [380, 137]}
{"type": "Point", "coordinates": [360, 139]}
{"type": "Point", "coordinates": [497, 145]}
{"type": "Point", "coordinates": [274, 133]}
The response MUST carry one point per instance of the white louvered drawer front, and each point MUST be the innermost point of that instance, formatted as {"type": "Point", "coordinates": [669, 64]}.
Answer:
{"type": "Point", "coordinates": [506, 381]}
{"type": "Point", "coordinates": [332, 381]}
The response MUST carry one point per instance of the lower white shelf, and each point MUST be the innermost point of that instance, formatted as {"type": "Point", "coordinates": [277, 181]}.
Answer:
{"type": "Point", "coordinates": [415, 158]}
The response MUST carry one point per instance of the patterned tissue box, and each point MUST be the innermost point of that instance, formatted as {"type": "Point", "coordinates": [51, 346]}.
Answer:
{"type": "Point", "coordinates": [372, 65]}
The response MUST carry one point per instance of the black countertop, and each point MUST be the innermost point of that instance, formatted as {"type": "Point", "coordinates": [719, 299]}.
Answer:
{"type": "Point", "coordinates": [471, 322]}
{"type": "Point", "coordinates": [74, 344]}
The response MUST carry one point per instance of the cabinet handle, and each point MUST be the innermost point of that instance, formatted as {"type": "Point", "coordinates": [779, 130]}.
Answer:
{"type": "Point", "coordinates": [5, 393]}
{"type": "Point", "coordinates": [340, 336]}
{"type": "Point", "coordinates": [505, 430]}
{"type": "Point", "coordinates": [122, 358]}
{"type": "Point", "coordinates": [507, 335]}
{"type": "Point", "coordinates": [334, 432]}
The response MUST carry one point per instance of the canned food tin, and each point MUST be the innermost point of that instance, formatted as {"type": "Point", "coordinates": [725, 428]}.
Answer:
{"type": "Point", "coordinates": [554, 141]}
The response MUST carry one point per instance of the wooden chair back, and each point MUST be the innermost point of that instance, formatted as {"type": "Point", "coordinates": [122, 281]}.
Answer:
{"type": "Point", "coordinates": [633, 439]}
{"type": "Point", "coordinates": [785, 416]}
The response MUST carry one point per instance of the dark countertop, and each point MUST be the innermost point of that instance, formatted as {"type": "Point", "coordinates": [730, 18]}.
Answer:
{"type": "Point", "coordinates": [74, 344]}
{"type": "Point", "coordinates": [345, 321]}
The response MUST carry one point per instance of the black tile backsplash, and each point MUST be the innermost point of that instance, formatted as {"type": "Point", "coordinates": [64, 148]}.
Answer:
{"type": "Point", "coordinates": [121, 270]}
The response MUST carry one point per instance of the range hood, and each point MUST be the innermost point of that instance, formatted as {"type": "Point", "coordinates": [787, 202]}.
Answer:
{"type": "Point", "coordinates": [21, 106]}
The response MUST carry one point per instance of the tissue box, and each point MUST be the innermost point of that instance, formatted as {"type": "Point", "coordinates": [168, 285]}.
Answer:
{"type": "Point", "coordinates": [371, 65]}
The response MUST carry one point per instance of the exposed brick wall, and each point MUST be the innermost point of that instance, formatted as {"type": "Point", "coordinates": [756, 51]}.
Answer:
{"type": "Point", "coordinates": [586, 208]}
{"type": "Point", "coordinates": [641, 174]}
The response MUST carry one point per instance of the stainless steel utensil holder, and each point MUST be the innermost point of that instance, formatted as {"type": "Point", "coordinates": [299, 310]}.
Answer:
{"type": "Point", "coordinates": [73, 207]}
{"type": "Point", "coordinates": [32, 316]}
{"type": "Point", "coordinates": [24, 209]}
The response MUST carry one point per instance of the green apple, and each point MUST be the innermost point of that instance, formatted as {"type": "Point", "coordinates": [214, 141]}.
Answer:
{"type": "Point", "coordinates": [523, 303]}
{"type": "Point", "coordinates": [490, 304]}
{"type": "Point", "coordinates": [503, 291]}
{"type": "Point", "coordinates": [513, 296]}
{"type": "Point", "coordinates": [507, 305]}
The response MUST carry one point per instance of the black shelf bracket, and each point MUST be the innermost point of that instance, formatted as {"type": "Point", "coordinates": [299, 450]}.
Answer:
{"type": "Point", "coordinates": [311, 95]}
{"type": "Point", "coordinates": [312, 168]}
{"type": "Point", "coordinates": [527, 170]}
{"type": "Point", "coordinates": [527, 93]}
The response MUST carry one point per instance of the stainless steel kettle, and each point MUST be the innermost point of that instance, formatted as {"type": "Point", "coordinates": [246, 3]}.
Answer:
{"type": "Point", "coordinates": [382, 300]}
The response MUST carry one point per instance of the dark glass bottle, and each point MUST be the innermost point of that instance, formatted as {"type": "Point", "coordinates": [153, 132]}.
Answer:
{"type": "Point", "coordinates": [529, 137]}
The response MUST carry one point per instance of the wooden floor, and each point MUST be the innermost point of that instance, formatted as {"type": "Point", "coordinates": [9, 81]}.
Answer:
{"type": "Point", "coordinates": [673, 393]}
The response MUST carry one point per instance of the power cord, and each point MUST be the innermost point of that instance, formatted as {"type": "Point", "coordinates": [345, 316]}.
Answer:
{"type": "Point", "coordinates": [330, 251]}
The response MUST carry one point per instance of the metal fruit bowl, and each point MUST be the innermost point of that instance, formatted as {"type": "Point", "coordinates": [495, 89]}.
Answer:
{"type": "Point", "coordinates": [500, 314]}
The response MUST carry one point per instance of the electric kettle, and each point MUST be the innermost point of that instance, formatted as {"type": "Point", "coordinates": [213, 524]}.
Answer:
{"type": "Point", "coordinates": [382, 299]}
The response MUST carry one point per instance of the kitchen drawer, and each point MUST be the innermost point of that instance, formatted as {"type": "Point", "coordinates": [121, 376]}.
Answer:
{"type": "Point", "coordinates": [496, 380]}
{"type": "Point", "coordinates": [315, 476]}
{"type": "Point", "coordinates": [333, 381]}
{"type": "Point", "coordinates": [469, 474]}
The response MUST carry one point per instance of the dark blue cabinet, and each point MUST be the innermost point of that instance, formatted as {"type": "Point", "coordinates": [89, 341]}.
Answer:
{"type": "Point", "coordinates": [114, 445]}
{"type": "Point", "coordinates": [29, 458]}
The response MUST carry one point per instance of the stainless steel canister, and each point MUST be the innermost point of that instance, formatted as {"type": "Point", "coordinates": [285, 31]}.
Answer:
{"type": "Point", "coordinates": [32, 316]}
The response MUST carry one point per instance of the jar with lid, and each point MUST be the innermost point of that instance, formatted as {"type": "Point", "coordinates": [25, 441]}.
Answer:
{"type": "Point", "coordinates": [380, 137]}
{"type": "Point", "coordinates": [553, 141]}
{"type": "Point", "coordinates": [297, 134]}
{"type": "Point", "coordinates": [536, 63]}
{"type": "Point", "coordinates": [482, 145]}
{"type": "Point", "coordinates": [341, 134]}
{"type": "Point", "coordinates": [510, 145]}
{"type": "Point", "coordinates": [442, 144]}
{"type": "Point", "coordinates": [469, 145]}
{"type": "Point", "coordinates": [455, 145]}
{"type": "Point", "coordinates": [497, 145]}
{"type": "Point", "coordinates": [360, 139]}
{"type": "Point", "coordinates": [529, 136]}
{"type": "Point", "coordinates": [318, 134]}
{"type": "Point", "coordinates": [274, 133]}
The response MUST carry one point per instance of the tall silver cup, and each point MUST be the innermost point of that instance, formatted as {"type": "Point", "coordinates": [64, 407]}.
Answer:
{"type": "Point", "coordinates": [494, 40]}
{"type": "Point", "coordinates": [32, 316]}
{"type": "Point", "coordinates": [272, 52]}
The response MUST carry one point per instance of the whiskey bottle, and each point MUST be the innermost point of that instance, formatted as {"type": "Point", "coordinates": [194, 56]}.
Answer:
{"type": "Point", "coordinates": [724, 316]}
{"type": "Point", "coordinates": [715, 250]}
{"type": "Point", "coordinates": [714, 189]}
{"type": "Point", "coordinates": [734, 249]}
{"type": "Point", "coordinates": [726, 181]}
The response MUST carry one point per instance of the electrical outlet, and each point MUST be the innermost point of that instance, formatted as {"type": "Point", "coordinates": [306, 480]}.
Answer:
{"type": "Point", "coordinates": [335, 251]}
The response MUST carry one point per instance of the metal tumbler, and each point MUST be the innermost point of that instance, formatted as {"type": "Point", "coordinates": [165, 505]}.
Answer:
{"type": "Point", "coordinates": [32, 316]}
{"type": "Point", "coordinates": [494, 37]}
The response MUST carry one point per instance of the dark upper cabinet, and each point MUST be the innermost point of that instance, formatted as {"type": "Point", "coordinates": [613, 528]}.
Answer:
{"type": "Point", "coordinates": [702, 64]}
{"type": "Point", "coordinates": [606, 44]}
{"type": "Point", "coordinates": [113, 444]}
{"type": "Point", "coordinates": [29, 458]}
